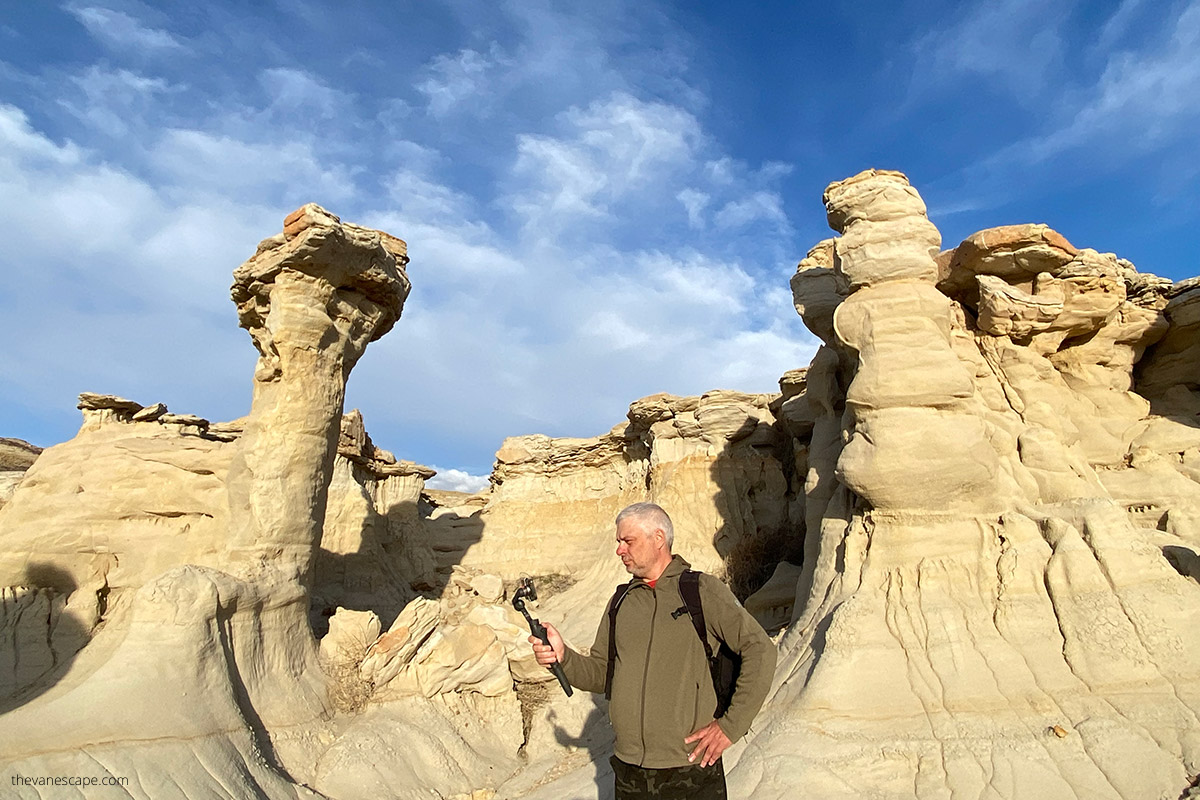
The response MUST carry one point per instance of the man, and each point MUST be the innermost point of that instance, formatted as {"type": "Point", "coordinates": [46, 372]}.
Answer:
{"type": "Point", "coordinates": [663, 701]}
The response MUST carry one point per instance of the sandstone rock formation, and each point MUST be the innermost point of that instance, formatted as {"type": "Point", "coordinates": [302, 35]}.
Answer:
{"type": "Point", "coordinates": [206, 648]}
{"type": "Point", "coordinates": [992, 602]}
{"type": "Point", "coordinates": [16, 456]}
{"type": "Point", "coordinates": [720, 460]}
{"type": "Point", "coordinates": [311, 298]}
{"type": "Point", "coordinates": [373, 555]}
{"type": "Point", "coordinates": [972, 522]}
{"type": "Point", "coordinates": [431, 700]}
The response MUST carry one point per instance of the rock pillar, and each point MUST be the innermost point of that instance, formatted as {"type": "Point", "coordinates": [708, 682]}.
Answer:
{"type": "Point", "coordinates": [312, 298]}
{"type": "Point", "coordinates": [993, 602]}
{"type": "Point", "coordinates": [906, 399]}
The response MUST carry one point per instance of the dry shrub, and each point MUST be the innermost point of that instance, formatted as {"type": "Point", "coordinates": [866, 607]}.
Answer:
{"type": "Point", "coordinates": [348, 691]}
{"type": "Point", "coordinates": [752, 561]}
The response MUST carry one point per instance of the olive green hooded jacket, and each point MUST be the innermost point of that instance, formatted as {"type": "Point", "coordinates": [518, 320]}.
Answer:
{"type": "Point", "coordinates": [662, 689]}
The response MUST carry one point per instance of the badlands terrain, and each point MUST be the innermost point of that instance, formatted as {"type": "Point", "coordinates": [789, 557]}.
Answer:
{"type": "Point", "coordinates": [971, 524]}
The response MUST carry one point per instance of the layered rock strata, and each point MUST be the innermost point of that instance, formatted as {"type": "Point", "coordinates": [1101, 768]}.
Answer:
{"type": "Point", "coordinates": [993, 601]}
{"type": "Point", "coordinates": [16, 456]}
{"type": "Point", "coordinates": [720, 463]}
{"type": "Point", "coordinates": [312, 298]}
{"type": "Point", "coordinates": [977, 508]}
{"type": "Point", "coordinates": [374, 555]}
{"type": "Point", "coordinates": [431, 698]}
{"type": "Point", "coordinates": [214, 665]}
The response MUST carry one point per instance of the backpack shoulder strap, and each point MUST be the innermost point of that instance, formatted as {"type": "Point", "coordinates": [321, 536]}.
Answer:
{"type": "Point", "coordinates": [689, 590]}
{"type": "Point", "coordinates": [614, 605]}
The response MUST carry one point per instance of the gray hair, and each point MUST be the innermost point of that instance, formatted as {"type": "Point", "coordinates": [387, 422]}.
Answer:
{"type": "Point", "coordinates": [653, 514]}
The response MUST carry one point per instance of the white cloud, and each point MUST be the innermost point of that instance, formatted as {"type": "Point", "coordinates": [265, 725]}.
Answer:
{"type": "Point", "coordinates": [563, 346]}
{"type": "Point", "coordinates": [296, 92]}
{"type": "Point", "coordinates": [695, 202]}
{"type": "Point", "coordinates": [1016, 44]}
{"type": "Point", "coordinates": [720, 171]}
{"type": "Point", "coordinates": [777, 301]}
{"type": "Point", "coordinates": [456, 480]}
{"type": "Point", "coordinates": [1141, 102]}
{"type": "Point", "coordinates": [698, 282]}
{"type": "Point", "coordinates": [124, 292]}
{"type": "Point", "coordinates": [419, 198]}
{"type": "Point", "coordinates": [753, 359]}
{"type": "Point", "coordinates": [554, 277]}
{"type": "Point", "coordinates": [636, 136]}
{"type": "Point", "coordinates": [453, 79]}
{"type": "Point", "coordinates": [566, 182]}
{"type": "Point", "coordinates": [761, 205]}
{"type": "Point", "coordinates": [774, 171]}
{"type": "Point", "coordinates": [121, 32]}
{"type": "Point", "coordinates": [224, 165]}
{"type": "Point", "coordinates": [612, 331]}
{"type": "Point", "coordinates": [112, 99]}
{"type": "Point", "coordinates": [447, 240]}
{"type": "Point", "coordinates": [658, 308]}
{"type": "Point", "coordinates": [1153, 93]}
{"type": "Point", "coordinates": [20, 140]}
{"type": "Point", "coordinates": [1118, 24]}
{"type": "Point", "coordinates": [614, 150]}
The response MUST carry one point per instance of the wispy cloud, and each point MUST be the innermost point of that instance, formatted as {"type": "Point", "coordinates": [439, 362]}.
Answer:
{"type": "Point", "coordinates": [450, 80]}
{"type": "Point", "coordinates": [1118, 24]}
{"type": "Point", "coordinates": [294, 92]}
{"type": "Point", "coordinates": [1015, 45]}
{"type": "Point", "coordinates": [111, 98]}
{"type": "Point", "coordinates": [759, 206]}
{"type": "Point", "coordinates": [1152, 94]}
{"type": "Point", "coordinates": [1140, 102]}
{"type": "Point", "coordinates": [121, 32]}
{"type": "Point", "coordinates": [695, 202]}
{"type": "Point", "coordinates": [21, 141]}
{"type": "Point", "coordinates": [612, 148]}
{"type": "Point", "coordinates": [221, 165]}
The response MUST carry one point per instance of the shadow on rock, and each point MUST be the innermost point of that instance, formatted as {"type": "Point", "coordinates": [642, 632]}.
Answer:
{"type": "Point", "coordinates": [1184, 560]}
{"type": "Point", "coordinates": [44, 622]}
{"type": "Point", "coordinates": [598, 745]}
{"type": "Point", "coordinates": [378, 557]}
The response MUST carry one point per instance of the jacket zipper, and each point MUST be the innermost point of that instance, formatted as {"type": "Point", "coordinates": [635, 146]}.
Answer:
{"type": "Point", "coordinates": [646, 669]}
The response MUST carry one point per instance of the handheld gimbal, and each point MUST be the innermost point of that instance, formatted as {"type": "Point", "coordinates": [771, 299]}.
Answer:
{"type": "Point", "coordinates": [525, 590]}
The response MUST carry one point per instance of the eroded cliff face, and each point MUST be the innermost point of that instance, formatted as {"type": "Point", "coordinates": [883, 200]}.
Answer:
{"type": "Point", "coordinates": [16, 457]}
{"type": "Point", "coordinates": [182, 552]}
{"type": "Point", "coordinates": [373, 556]}
{"type": "Point", "coordinates": [720, 461]}
{"type": "Point", "coordinates": [998, 597]}
{"type": "Point", "coordinates": [977, 509]}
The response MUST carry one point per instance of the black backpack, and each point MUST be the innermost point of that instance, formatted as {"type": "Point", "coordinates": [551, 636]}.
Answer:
{"type": "Point", "coordinates": [724, 665]}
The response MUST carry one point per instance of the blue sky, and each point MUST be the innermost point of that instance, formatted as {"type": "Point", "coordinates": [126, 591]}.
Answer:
{"type": "Point", "coordinates": [601, 201]}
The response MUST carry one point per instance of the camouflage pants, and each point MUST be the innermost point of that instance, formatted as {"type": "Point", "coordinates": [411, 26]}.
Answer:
{"type": "Point", "coordinates": [681, 783]}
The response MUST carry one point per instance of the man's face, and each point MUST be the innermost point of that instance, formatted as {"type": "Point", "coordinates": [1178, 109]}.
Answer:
{"type": "Point", "coordinates": [636, 546]}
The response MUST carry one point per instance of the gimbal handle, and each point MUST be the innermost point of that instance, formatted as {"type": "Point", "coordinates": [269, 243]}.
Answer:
{"type": "Point", "coordinates": [538, 629]}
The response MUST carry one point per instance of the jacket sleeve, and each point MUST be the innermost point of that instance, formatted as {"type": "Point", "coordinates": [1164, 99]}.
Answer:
{"type": "Point", "coordinates": [588, 672]}
{"type": "Point", "coordinates": [734, 626]}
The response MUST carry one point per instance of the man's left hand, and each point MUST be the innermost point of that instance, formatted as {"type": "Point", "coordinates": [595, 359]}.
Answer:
{"type": "Point", "coordinates": [711, 742]}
